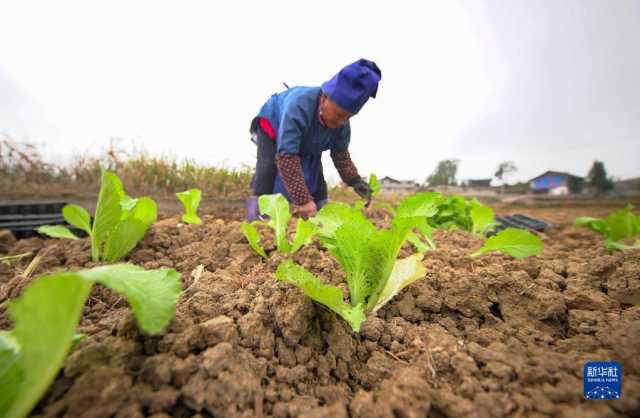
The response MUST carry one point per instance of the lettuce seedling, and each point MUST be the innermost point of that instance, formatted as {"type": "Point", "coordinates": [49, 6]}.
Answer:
{"type": "Point", "coordinates": [119, 221]}
{"type": "Point", "coordinates": [423, 205]}
{"type": "Point", "coordinates": [327, 295]}
{"type": "Point", "coordinates": [453, 213]}
{"type": "Point", "coordinates": [374, 184]}
{"type": "Point", "coordinates": [275, 207]}
{"type": "Point", "coordinates": [368, 256]}
{"type": "Point", "coordinates": [618, 226]}
{"type": "Point", "coordinates": [517, 243]}
{"type": "Point", "coordinates": [46, 316]}
{"type": "Point", "coordinates": [57, 231]}
{"type": "Point", "coordinates": [190, 200]}
{"type": "Point", "coordinates": [482, 218]}
{"type": "Point", "coordinates": [442, 212]}
{"type": "Point", "coordinates": [253, 236]}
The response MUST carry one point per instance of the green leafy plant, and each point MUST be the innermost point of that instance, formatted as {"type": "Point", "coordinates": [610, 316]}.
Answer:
{"type": "Point", "coordinates": [482, 218]}
{"type": "Point", "coordinates": [57, 231]}
{"type": "Point", "coordinates": [421, 207]}
{"type": "Point", "coordinates": [253, 236]}
{"type": "Point", "coordinates": [329, 296]}
{"type": "Point", "coordinates": [367, 254]}
{"type": "Point", "coordinates": [119, 221]}
{"type": "Point", "coordinates": [517, 243]}
{"type": "Point", "coordinates": [442, 212]}
{"type": "Point", "coordinates": [191, 201]}
{"type": "Point", "coordinates": [616, 228]}
{"type": "Point", "coordinates": [374, 184]}
{"type": "Point", "coordinates": [276, 209]}
{"type": "Point", "coordinates": [46, 316]}
{"type": "Point", "coordinates": [454, 212]}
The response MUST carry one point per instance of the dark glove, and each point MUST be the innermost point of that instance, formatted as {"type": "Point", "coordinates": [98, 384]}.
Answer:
{"type": "Point", "coordinates": [362, 188]}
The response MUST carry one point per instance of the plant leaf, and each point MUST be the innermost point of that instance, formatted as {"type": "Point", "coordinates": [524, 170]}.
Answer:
{"type": "Point", "coordinates": [45, 319]}
{"type": "Point", "coordinates": [108, 211]}
{"type": "Point", "coordinates": [145, 210]}
{"type": "Point", "coordinates": [374, 184]}
{"type": "Point", "coordinates": [57, 231]}
{"type": "Point", "coordinates": [304, 233]}
{"type": "Point", "coordinates": [191, 201]}
{"type": "Point", "coordinates": [251, 234]}
{"type": "Point", "coordinates": [56, 301]}
{"type": "Point", "coordinates": [482, 218]}
{"type": "Point", "coordinates": [420, 204]}
{"type": "Point", "coordinates": [595, 224]}
{"type": "Point", "coordinates": [351, 252]}
{"type": "Point", "coordinates": [517, 243]}
{"type": "Point", "coordinates": [405, 272]}
{"type": "Point", "coordinates": [335, 214]}
{"type": "Point", "coordinates": [152, 294]}
{"type": "Point", "coordinates": [276, 207]}
{"type": "Point", "coordinates": [11, 371]}
{"type": "Point", "coordinates": [453, 213]}
{"type": "Point", "coordinates": [77, 339]}
{"type": "Point", "coordinates": [327, 295]}
{"type": "Point", "coordinates": [418, 244]}
{"type": "Point", "coordinates": [127, 203]}
{"type": "Point", "coordinates": [123, 239]}
{"type": "Point", "coordinates": [382, 250]}
{"type": "Point", "coordinates": [621, 224]}
{"type": "Point", "coordinates": [423, 240]}
{"type": "Point", "coordinates": [77, 216]}
{"type": "Point", "coordinates": [613, 245]}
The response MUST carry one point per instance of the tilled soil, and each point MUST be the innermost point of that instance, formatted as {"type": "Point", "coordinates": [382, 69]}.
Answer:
{"type": "Point", "coordinates": [486, 337]}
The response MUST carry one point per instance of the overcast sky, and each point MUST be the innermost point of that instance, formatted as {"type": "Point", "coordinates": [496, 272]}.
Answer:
{"type": "Point", "coordinates": [547, 84]}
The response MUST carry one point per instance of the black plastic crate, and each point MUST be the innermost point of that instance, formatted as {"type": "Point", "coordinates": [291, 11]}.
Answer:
{"type": "Point", "coordinates": [519, 221]}
{"type": "Point", "coordinates": [23, 219]}
{"type": "Point", "coordinates": [31, 208]}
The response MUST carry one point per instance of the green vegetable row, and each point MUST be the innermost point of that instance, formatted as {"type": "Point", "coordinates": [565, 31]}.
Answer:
{"type": "Point", "coordinates": [369, 255]}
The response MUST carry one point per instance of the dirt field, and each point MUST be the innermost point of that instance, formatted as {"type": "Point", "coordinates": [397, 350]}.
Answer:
{"type": "Point", "coordinates": [486, 337]}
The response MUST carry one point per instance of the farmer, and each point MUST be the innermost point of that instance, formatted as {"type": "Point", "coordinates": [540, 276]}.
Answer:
{"type": "Point", "coordinates": [295, 127]}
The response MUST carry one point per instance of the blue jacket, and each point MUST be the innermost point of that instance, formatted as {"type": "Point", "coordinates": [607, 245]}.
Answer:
{"type": "Point", "coordinates": [294, 117]}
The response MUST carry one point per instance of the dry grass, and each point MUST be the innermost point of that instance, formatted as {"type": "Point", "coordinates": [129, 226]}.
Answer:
{"type": "Point", "coordinates": [23, 170]}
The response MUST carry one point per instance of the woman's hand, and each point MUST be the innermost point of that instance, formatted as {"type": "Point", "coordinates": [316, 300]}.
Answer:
{"type": "Point", "coordinates": [307, 210]}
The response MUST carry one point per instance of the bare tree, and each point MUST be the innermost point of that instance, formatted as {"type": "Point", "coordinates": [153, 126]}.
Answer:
{"type": "Point", "coordinates": [505, 169]}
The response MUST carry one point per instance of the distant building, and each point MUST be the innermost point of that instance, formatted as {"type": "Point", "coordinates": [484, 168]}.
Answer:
{"type": "Point", "coordinates": [556, 183]}
{"type": "Point", "coordinates": [627, 187]}
{"type": "Point", "coordinates": [479, 183]}
{"type": "Point", "coordinates": [388, 184]}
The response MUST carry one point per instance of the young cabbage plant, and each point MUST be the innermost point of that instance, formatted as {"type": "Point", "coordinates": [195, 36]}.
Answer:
{"type": "Point", "coordinates": [46, 316]}
{"type": "Point", "coordinates": [368, 256]}
{"type": "Point", "coordinates": [374, 184]}
{"type": "Point", "coordinates": [482, 218]}
{"type": "Point", "coordinates": [118, 224]}
{"type": "Point", "coordinates": [454, 212]}
{"type": "Point", "coordinates": [275, 208]}
{"type": "Point", "coordinates": [517, 243]}
{"type": "Point", "coordinates": [191, 201]}
{"type": "Point", "coordinates": [616, 228]}
{"type": "Point", "coordinates": [423, 205]}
